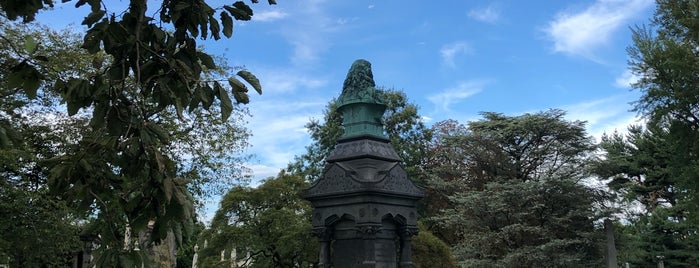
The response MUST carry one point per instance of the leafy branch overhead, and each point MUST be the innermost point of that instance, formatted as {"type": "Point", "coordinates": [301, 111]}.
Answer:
{"type": "Point", "coordinates": [147, 67]}
{"type": "Point", "coordinates": [167, 65]}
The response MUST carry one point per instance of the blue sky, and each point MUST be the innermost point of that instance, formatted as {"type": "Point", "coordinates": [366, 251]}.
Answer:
{"type": "Point", "coordinates": [453, 59]}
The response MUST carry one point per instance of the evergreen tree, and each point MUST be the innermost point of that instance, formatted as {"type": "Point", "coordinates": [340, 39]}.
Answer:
{"type": "Point", "coordinates": [520, 200]}
{"type": "Point", "coordinates": [665, 58]}
{"type": "Point", "coordinates": [642, 168]}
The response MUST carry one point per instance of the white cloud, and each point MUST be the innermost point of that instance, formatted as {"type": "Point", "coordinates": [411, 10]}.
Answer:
{"type": "Point", "coordinates": [619, 124]}
{"type": "Point", "coordinates": [270, 15]}
{"type": "Point", "coordinates": [280, 81]}
{"type": "Point", "coordinates": [261, 172]}
{"type": "Point", "coordinates": [581, 33]}
{"type": "Point", "coordinates": [596, 110]}
{"type": "Point", "coordinates": [603, 115]}
{"type": "Point", "coordinates": [343, 21]}
{"type": "Point", "coordinates": [488, 14]}
{"type": "Point", "coordinates": [450, 51]}
{"type": "Point", "coordinates": [290, 99]}
{"type": "Point", "coordinates": [626, 79]}
{"type": "Point", "coordinates": [453, 95]}
{"type": "Point", "coordinates": [308, 31]}
{"type": "Point", "coordinates": [278, 129]}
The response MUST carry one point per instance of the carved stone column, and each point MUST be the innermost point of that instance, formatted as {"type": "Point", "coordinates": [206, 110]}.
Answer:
{"type": "Point", "coordinates": [406, 234]}
{"type": "Point", "coordinates": [324, 235]}
{"type": "Point", "coordinates": [368, 234]}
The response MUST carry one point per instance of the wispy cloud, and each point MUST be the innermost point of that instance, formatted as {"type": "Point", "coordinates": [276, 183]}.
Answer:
{"type": "Point", "coordinates": [270, 15]}
{"type": "Point", "coordinates": [450, 51]}
{"type": "Point", "coordinates": [308, 31]}
{"type": "Point", "coordinates": [626, 79]}
{"type": "Point", "coordinates": [279, 131]}
{"type": "Point", "coordinates": [453, 95]}
{"type": "Point", "coordinates": [603, 115]}
{"type": "Point", "coordinates": [279, 116]}
{"type": "Point", "coordinates": [280, 81]}
{"type": "Point", "coordinates": [489, 14]}
{"type": "Point", "coordinates": [581, 33]}
{"type": "Point", "coordinates": [262, 172]}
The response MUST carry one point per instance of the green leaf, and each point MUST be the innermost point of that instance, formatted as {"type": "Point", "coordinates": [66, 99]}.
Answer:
{"type": "Point", "coordinates": [251, 79]}
{"type": "Point", "coordinates": [236, 85]}
{"type": "Point", "coordinates": [114, 123]}
{"type": "Point", "coordinates": [195, 100]}
{"type": "Point", "coordinates": [181, 5]}
{"type": "Point", "coordinates": [72, 108]}
{"type": "Point", "coordinates": [237, 13]}
{"type": "Point", "coordinates": [25, 76]}
{"type": "Point", "coordinates": [207, 95]}
{"type": "Point", "coordinates": [41, 58]}
{"type": "Point", "coordinates": [226, 104]}
{"type": "Point", "coordinates": [98, 115]}
{"type": "Point", "coordinates": [156, 129]}
{"type": "Point", "coordinates": [185, 67]}
{"type": "Point", "coordinates": [93, 17]}
{"type": "Point", "coordinates": [168, 188]}
{"type": "Point", "coordinates": [30, 44]}
{"type": "Point", "coordinates": [4, 139]}
{"type": "Point", "coordinates": [206, 60]}
{"type": "Point", "coordinates": [145, 137]}
{"type": "Point", "coordinates": [239, 90]}
{"type": "Point", "coordinates": [80, 3]}
{"type": "Point", "coordinates": [244, 7]}
{"type": "Point", "coordinates": [215, 28]}
{"type": "Point", "coordinates": [227, 22]}
{"type": "Point", "coordinates": [31, 85]}
{"type": "Point", "coordinates": [14, 78]}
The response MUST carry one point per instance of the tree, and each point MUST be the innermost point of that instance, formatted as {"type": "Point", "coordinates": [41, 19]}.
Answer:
{"type": "Point", "coordinates": [519, 201]}
{"type": "Point", "coordinates": [665, 59]}
{"type": "Point", "coordinates": [642, 168]}
{"type": "Point", "coordinates": [430, 251]}
{"type": "Point", "coordinates": [271, 222]}
{"type": "Point", "coordinates": [446, 167]}
{"type": "Point", "coordinates": [125, 169]}
{"type": "Point", "coordinates": [37, 228]}
{"type": "Point", "coordinates": [663, 157]}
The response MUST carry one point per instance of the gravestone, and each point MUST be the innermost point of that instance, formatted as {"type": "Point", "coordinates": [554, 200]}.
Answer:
{"type": "Point", "coordinates": [365, 206]}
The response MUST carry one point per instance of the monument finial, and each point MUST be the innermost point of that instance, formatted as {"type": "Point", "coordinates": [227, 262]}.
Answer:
{"type": "Point", "coordinates": [358, 78]}
{"type": "Point", "coordinates": [360, 103]}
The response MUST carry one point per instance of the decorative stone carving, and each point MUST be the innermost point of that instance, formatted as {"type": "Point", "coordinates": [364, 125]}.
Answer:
{"type": "Point", "coordinates": [409, 231]}
{"type": "Point", "coordinates": [363, 148]}
{"type": "Point", "coordinates": [369, 230]}
{"type": "Point", "coordinates": [359, 85]}
{"type": "Point", "coordinates": [360, 103]}
{"type": "Point", "coordinates": [322, 233]}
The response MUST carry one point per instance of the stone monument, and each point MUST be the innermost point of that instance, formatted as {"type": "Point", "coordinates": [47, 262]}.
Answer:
{"type": "Point", "coordinates": [365, 206]}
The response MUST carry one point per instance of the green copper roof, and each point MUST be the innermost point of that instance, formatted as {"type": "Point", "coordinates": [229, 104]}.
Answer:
{"type": "Point", "coordinates": [360, 103]}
